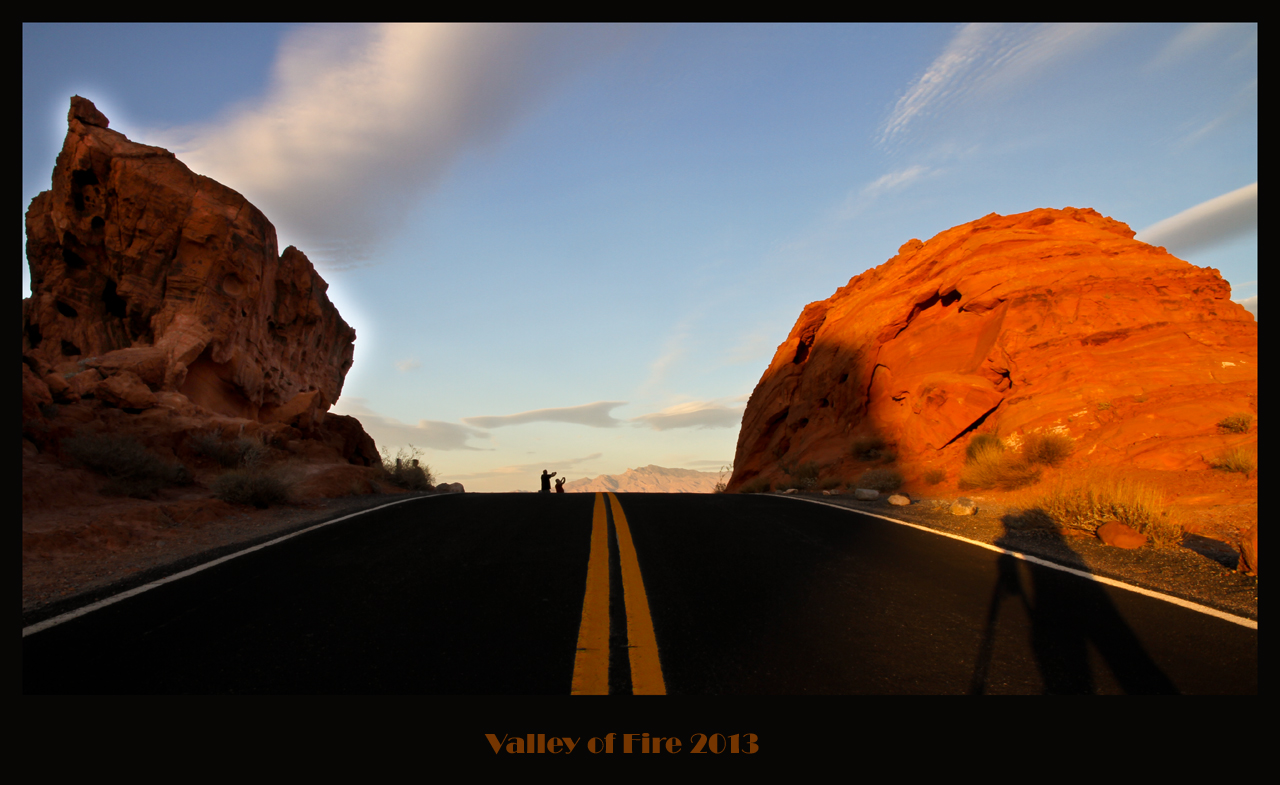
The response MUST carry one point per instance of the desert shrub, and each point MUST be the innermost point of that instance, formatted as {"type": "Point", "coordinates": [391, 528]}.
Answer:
{"type": "Point", "coordinates": [256, 486]}
{"type": "Point", "coordinates": [935, 476]}
{"type": "Point", "coordinates": [229, 453]}
{"type": "Point", "coordinates": [1049, 449]}
{"type": "Point", "coordinates": [883, 480]}
{"type": "Point", "coordinates": [1234, 460]}
{"type": "Point", "coordinates": [980, 443]}
{"type": "Point", "coordinates": [805, 476]}
{"type": "Point", "coordinates": [829, 483]}
{"type": "Point", "coordinates": [758, 485]}
{"type": "Point", "coordinates": [1088, 503]}
{"type": "Point", "coordinates": [992, 467]}
{"type": "Point", "coordinates": [405, 471]}
{"type": "Point", "coordinates": [1104, 405]}
{"type": "Point", "coordinates": [722, 484]}
{"type": "Point", "coordinates": [130, 468]}
{"type": "Point", "coordinates": [872, 448]}
{"type": "Point", "coordinates": [1236, 423]}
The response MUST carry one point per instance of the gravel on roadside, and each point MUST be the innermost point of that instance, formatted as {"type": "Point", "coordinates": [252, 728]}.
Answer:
{"type": "Point", "coordinates": [1200, 571]}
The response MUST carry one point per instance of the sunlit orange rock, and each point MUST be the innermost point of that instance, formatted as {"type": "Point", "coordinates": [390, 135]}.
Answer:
{"type": "Point", "coordinates": [1118, 535]}
{"type": "Point", "coordinates": [155, 287]}
{"type": "Point", "coordinates": [1249, 551]}
{"type": "Point", "coordinates": [1051, 320]}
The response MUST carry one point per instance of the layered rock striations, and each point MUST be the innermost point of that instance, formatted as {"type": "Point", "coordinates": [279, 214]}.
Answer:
{"type": "Point", "coordinates": [155, 287]}
{"type": "Point", "coordinates": [1051, 320]}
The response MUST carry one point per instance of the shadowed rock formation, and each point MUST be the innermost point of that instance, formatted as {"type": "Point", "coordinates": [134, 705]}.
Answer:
{"type": "Point", "coordinates": [1051, 320]}
{"type": "Point", "coordinates": [155, 287]}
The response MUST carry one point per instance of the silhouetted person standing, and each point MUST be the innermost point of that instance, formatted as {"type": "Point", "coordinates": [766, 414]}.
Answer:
{"type": "Point", "coordinates": [546, 481]}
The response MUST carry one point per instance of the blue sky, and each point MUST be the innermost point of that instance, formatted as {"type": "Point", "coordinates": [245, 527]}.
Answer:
{"type": "Point", "coordinates": [577, 247]}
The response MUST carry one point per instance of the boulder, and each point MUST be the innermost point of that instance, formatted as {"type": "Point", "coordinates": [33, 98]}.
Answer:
{"type": "Point", "coordinates": [899, 500]}
{"type": "Point", "coordinates": [1249, 551]}
{"type": "Point", "coordinates": [162, 308]}
{"type": "Point", "coordinates": [140, 265]}
{"type": "Point", "coordinates": [866, 494]}
{"type": "Point", "coordinates": [1119, 535]}
{"type": "Point", "coordinates": [1045, 321]}
{"type": "Point", "coordinates": [450, 487]}
{"type": "Point", "coordinates": [126, 391]}
{"type": "Point", "coordinates": [963, 506]}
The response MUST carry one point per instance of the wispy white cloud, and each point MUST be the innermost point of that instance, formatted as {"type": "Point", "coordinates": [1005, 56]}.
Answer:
{"type": "Point", "coordinates": [861, 199]}
{"type": "Point", "coordinates": [1244, 102]}
{"type": "Point", "coordinates": [360, 119]}
{"type": "Point", "coordinates": [388, 431]}
{"type": "Point", "coordinates": [595, 415]}
{"type": "Point", "coordinates": [1208, 223]}
{"type": "Point", "coordinates": [692, 414]}
{"type": "Point", "coordinates": [407, 365]}
{"type": "Point", "coordinates": [1189, 41]}
{"type": "Point", "coordinates": [982, 60]}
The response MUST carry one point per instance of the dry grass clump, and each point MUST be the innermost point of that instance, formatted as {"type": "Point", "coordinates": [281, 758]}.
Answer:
{"type": "Point", "coordinates": [758, 485]}
{"type": "Point", "coordinates": [405, 470]}
{"type": "Point", "coordinates": [1049, 449]}
{"type": "Point", "coordinates": [1087, 503]}
{"type": "Point", "coordinates": [1235, 460]}
{"type": "Point", "coordinates": [883, 480]}
{"type": "Point", "coordinates": [935, 476]}
{"type": "Point", "coordinates": [873, 448]}
{"type": "Point", "coordinates": [988, 465]}
{"type": "Point", "coordinates": [805, 475]}
{"type": "Point", "coordinates": [130, 468]}
{"type": "Point", "coordinates": [1236, 423]}
{"type": "Point", "coordinates": [982, 442]}
{"type": "Point", "coordinates": [259, 487]}
{"type": "Point", "coordinates": [229, 453]}
{"type": "Point", "coordinates": [722, 484]}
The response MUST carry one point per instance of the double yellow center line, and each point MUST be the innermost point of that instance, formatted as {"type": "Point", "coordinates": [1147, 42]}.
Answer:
{"type": "Point", "coordinates": [591, 665]}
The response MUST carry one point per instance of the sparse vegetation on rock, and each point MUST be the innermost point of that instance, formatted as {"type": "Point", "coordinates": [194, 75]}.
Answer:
{"type": "Point", "coordinates": [1048, 449]}
{"type": "Point", "coordinates": [405, 470]}
{"type": "Point", "coordinates": [131, 469]}
{"type": "Point", "coordinates": [1087, 503]}
{"type": "Point", "coordinates": [1235, 460]}
{"type": "Point", "coordinates": [1236, 423]}
{"type": "Point", "coordinates": [804, 476]}
{"type": "Point", "coordinates": [254, 485]}
{"type": "Point", "coordinates": [883, 480]}
{"type": "Point", "coordinates": [989, 465]}
{"type": "Point", "coordinates": [757, 485]}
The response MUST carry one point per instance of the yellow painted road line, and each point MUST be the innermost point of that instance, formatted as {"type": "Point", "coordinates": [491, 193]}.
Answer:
{"type": "Point", "coordinates": [591, 665]}
{"type": "Point", "coordinates": [646, 671]}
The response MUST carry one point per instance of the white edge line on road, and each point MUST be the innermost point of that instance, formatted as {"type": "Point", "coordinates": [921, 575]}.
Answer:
{"type": "Point", "coordinates": [124, 595]}
{"type": "Point", "coordinates": [1242, 621]}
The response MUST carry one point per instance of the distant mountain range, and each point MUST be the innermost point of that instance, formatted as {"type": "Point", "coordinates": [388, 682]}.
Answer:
{"type": "Point", "coordinates": [650, 479]}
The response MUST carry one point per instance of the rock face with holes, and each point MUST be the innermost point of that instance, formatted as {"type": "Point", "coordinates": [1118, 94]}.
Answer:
{"type": "Point", "coordinates": [153, 286]}
{"type": "Point", "coordinates": [1051, 320]}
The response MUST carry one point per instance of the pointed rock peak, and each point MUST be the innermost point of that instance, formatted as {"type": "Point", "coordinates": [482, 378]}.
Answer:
{"type": "Point", "coordinates": [82, 109]}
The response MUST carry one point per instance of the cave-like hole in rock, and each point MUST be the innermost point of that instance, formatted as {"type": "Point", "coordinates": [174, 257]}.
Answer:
{"type": "Point", "coordinates": [114, 302]}
{"type": "Point", "coordinates": [66, 310]}
{"type": "Point", "coordinates": [73, 260]}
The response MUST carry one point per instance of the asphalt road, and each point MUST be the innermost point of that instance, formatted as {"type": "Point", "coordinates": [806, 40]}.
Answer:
{"type": "Point", "coordinates": [683, 594]}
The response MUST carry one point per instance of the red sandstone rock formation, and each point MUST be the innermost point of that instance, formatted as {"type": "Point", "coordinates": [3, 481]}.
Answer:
{"type": "Point", "coordinates": [155, 288]}
{"type": "Point", "coordinates": [1051, 320]}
